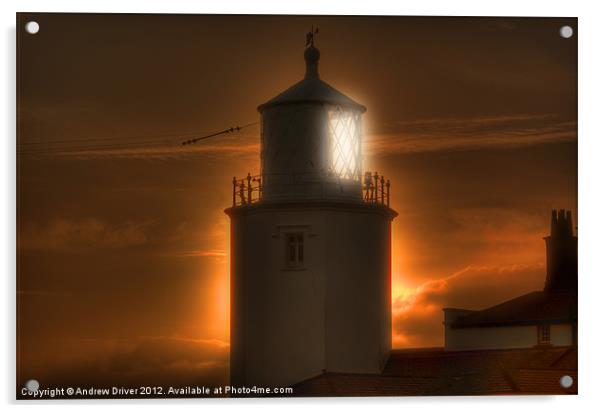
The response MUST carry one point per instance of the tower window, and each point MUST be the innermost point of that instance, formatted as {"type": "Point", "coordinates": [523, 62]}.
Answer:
{"type": "Point", "coordinates": [295, 253]}
{"type": "Point", "coordinates": [543, 334]}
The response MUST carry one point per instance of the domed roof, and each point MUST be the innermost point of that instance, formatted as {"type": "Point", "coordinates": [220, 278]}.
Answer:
{"type": "Point", "coordinates": [312, 89]}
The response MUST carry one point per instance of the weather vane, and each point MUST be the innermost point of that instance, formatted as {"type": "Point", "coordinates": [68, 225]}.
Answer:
{"type": "Point", "coordinates": [309, 37]}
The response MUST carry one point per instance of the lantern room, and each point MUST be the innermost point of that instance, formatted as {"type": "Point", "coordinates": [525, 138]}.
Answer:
{"type": "Point", "coordinates": [311, 141]}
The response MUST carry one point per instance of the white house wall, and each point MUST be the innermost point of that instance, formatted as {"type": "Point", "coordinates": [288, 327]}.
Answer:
{"type": "Point", "coordinates": [561, 334]}
{"type": "Point", "coordinates": [490, 337]}
{"type": "Point", "coordinates": [508, 337]}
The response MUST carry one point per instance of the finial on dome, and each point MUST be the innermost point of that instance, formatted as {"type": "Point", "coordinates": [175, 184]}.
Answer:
{"type": "Point", "coordinates": [309, 37]}
{"type": "Point", "coordinates": [312, 54]}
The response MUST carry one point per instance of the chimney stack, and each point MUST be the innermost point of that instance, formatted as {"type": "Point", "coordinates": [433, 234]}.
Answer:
{"type": "Point", "coordinates": [561, 251]}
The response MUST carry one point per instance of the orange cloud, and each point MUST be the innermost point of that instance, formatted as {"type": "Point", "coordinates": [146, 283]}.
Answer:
{"type": "Point", "coordinates": [427, 135]}
{"type": "Point", "coordinates": [203, 253]}
{"type": "Point", "coordinates": [418, 316]}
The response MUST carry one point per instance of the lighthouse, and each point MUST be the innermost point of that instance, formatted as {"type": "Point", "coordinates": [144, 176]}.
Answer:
{"type": "Point", "coordinates": [310, 234]}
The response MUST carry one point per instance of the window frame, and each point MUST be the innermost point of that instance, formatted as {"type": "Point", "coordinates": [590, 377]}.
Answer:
{"type": "Point", "coordinates": [544, 335]}
{"type": "Point", "coordinates": [296, 241]}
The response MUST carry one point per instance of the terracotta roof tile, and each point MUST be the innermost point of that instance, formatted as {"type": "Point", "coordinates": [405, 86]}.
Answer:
{"type": "Point", "coordinates": [439, 372]}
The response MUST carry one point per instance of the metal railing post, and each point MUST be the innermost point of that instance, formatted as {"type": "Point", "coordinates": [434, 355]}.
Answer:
{"type": "Point", "coordinates": [388, 191]}
{"type": "Point", "coordinates": [242, 192]}
{"type": "Point", "coordinates": [249, 188]}
{"type": "Point", "coordinates": [234, 191]}
{"type": "Point", "coordinates": [375, 192]}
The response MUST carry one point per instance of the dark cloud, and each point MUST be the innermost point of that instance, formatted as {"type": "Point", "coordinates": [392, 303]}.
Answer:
{"type": "Point", "coordinates": [69, 235]}
{"type": "Point", "coordinates": [166, 361]}
{"type": "Point", "coordinates": [241, 147]}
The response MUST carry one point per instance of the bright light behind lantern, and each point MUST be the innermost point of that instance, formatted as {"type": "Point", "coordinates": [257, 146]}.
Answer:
{"type": "Point", "coordinates": [345, 142]}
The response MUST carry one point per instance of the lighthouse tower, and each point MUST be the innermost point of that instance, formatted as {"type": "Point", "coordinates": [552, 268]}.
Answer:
{"type": "Point", "coordinates": [310, 244]}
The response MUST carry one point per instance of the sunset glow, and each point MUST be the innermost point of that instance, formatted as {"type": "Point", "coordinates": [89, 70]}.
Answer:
{"type": "Point", "coordinates": [123, 243]}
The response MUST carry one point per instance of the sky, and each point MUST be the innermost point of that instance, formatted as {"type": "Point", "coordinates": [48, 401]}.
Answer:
{"type": "Point", "coordinates": [123, 244]}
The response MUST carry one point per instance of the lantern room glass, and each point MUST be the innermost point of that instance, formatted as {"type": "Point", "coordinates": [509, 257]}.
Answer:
{"type": "Point", "coordinates": [345, 143]}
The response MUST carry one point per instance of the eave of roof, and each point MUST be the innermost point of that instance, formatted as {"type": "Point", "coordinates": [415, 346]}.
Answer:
{"type": "Point", "coordinates": [312, 90]}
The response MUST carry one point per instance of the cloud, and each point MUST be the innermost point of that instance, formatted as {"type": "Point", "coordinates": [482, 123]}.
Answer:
{"type": "Point", "coordinates": [203, 253]}
{"type": "Point", "coordinates": [161, 360]}
{"type": "Point", "coordinates": [168, 355]}
{"type": "Point", "coordinates": [73, 235]}
{"type": "Point", "coordinates": [438, 241]}
{"type": "Point", "coordinates": [219, 146]}
{"type": "Point", "coordinates": [445, 134]}
{"type": "Point", "coordinates": [191, 240]}
{"type": "Point", "coordinates": [422, 135]}
{"type": "Point", "coordinates": [219, 255]}
{"type": "Point", "coordinates": [418, 315]}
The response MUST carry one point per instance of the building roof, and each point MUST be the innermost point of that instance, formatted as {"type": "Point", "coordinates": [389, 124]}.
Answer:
{"type": "Point", "coordinates": [532, 308]}
{"type": "Point", "coordinates": [429, 372]}
{"type": "Point", "coordinates": [312, 89]}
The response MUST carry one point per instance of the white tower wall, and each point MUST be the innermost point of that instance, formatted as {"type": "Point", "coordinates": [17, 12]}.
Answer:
{"type": "Point", "coordinates": [331, 315]}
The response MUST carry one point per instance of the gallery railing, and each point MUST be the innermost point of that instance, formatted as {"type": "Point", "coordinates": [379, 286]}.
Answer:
{"type": "Point", "coordinates": [248, 190]}
{"type": "Point", "coordinates": [376, 189]}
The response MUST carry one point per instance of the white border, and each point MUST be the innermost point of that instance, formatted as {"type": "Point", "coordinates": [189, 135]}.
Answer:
{"type": "Point", "coordinates": [590, 208]}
